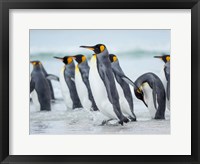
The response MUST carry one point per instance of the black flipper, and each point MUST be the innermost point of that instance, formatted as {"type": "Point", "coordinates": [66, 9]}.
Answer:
{"type": "Point", "coordinates": [125, 78]}
{"type": "Point", "coordinates": [51, 89]}
{"type": "Point", "coordinates": [145, 103]}
{"type": "Point", "coordinates": [106, 81]}
{"type": "Point", "coordinates": [167, 72]}
{"type": "Point", "coordinates": [32, 86]}
{"type": "Point", "coordinates": [154, 93]}
{"type": "Point", "coordinates": [167, 75]}
{"type": "Point", "coordinates": [154, 97]}
{"type": "Point", "coordinates": [168, 90]}
{"type": "Point", "coordinates": [52, 77]}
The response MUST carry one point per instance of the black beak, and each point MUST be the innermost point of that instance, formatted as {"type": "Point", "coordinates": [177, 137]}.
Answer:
{"type": "Point", "coordinates": [159, 57]}
{"type": "Point", "coordinates": [59, 58]}
{"type": "Point", "coordinates": [88, 47]}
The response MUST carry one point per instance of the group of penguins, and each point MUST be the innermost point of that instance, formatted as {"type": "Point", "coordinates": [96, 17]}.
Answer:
{"type": "Point", "coordinates": [102, 86]}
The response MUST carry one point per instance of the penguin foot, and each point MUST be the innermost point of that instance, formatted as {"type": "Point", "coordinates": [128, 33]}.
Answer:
{"type": "Point", "coordinates": [132, 119]}
{"type": "Point", "coordinates": [105, 122]}
{"type": "Point", "coordinates": [159, 118]}
{"type": "Point", "coordinates": [126, 120]}
{"type": "Point", "coordinates": [121, 122]}
{"type": "Point", "coordinates": [94, 109]}
{"type": "Point", "coordinates": [45, 110]}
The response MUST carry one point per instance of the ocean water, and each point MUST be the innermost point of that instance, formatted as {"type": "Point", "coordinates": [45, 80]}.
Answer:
{"type": "Point", "coordinates": [81, 121]}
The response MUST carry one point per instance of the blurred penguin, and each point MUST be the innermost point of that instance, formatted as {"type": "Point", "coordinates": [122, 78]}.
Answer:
{"type": "Point", "coordinates": [49, 78]}
{"type": "Point", "coordinates": [39, 88]}
{"type": "Point", "coordinates": [165, 74]}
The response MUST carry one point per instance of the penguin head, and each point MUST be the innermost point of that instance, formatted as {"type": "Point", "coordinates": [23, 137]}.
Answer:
{"type": "Point", "coordinates": [66, 60]}
{"type": "Point", "coordinates": [97, 48]}
{"type": "Point", "coordinates": [164, 58]}
{"type": "Point", "coordinates": [36, 63]}
{"type": "Point", "coordinates": [113, 58]}
{"type": "Point", "coordinates": [79, 58]}
{"type": "Point", "coordinates": [139, 94]}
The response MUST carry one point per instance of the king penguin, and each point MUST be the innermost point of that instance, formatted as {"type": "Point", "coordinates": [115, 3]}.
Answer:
{"type": "Point", "coordinates": [149, 88]}
{"type": "Point", "coordinates": [83, 84]}
{"type": "Point", "coordinates": [49, 78]}
{"type": "Point", "coordinates": [39, 88]}
{"type": "Point", "coordinates": [165, 73]}
{"type": "Point", "coordinates": [67, 81]}
{"type": "Point", "coordinates": [103, 84]}
{"type": "Point", "coordinates": [125, 95]}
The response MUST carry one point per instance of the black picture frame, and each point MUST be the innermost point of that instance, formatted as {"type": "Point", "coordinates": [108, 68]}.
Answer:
{"type": "Point", "coordinates": [5, 5]}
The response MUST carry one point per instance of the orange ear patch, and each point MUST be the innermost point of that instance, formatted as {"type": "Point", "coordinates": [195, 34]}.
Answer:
{"type": "Point", "coordinates": [114, 58]}
{"type": "Point", "coordinates": [69, 60]}
{"type": "Point", "coordinates": [102, 48]}
{"type": "Point", "coordinates": [83, 58]}
{"type": "Point", "coordinates": [168, 58]}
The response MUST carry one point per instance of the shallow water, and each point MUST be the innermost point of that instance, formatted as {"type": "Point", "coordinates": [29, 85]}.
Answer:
{"type": "Point", "coordinates": [81, 121]}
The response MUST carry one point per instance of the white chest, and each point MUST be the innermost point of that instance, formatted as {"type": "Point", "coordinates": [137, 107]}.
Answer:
{"type": "Point", "coordinates": [82, 90]}
{"type": "Point", "coordinates": [164, 81]}
{"type": "Point", "coordinates": [163, 78]}
{"type": "Point", "coordinates": [35, 100]}
{"type": "Point", "coordinates": [99, 91]}
{"type": "Point", "coordinates": [122, 100]}
{"type": "Point", "coordinates": [148, 98]}
{"type": "Point", "coordinates": [65, 90]}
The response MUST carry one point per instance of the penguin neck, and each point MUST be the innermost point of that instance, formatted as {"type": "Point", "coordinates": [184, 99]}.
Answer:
{"type": "Point", "coordinates": [37, 68]}
{"type": "Point", "coordinates": [70, 66]}
{"type": "Point", "coordinates": [103, 55]}
{"type": "Point", "coordinates": [83, 65]}
{"type": "Point", "coordinates": [167, 63]}
{"type": "Point", "coordinates": [117, 66]}
{"type": "Point", "coordinates": [93, 61]}
{"type": "Point", "coordinates": [44, 71]}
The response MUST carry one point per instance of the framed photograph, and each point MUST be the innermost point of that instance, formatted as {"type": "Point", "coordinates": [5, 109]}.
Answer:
{"type": "Point", "coordinates": [103, 81]}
